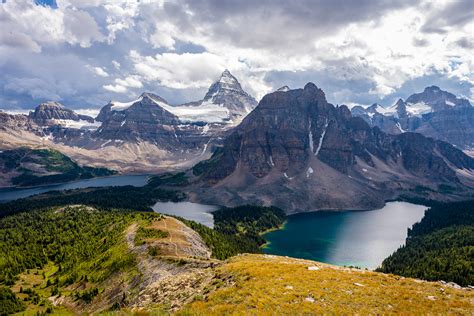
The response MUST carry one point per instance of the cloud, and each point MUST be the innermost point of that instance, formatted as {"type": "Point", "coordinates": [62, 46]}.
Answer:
{"type": "Point", "coordinates": [88, 52]}
{"type": "Point", "coordinates": [99, 71]}
{"type": "Point", "coordinates": [449, 15]}
{"type": "Point", "coordinates": [122, 85]}
{"type": "Point", "coordinates": [36, 26]}
{"type": "Point", "coordinates": [115, 88]}
{"type": "Point", "coordinates": [179, 71]}
{"type": "Point", "coordinates": [116, 64]}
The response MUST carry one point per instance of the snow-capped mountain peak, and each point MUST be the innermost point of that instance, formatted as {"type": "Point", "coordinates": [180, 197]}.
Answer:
{"type": "Point", "coordinates": [226, 82]}
{"type": "Point", "coordinates": [284, 89]}
{"type": "Point", "coordinates": [228, 93]}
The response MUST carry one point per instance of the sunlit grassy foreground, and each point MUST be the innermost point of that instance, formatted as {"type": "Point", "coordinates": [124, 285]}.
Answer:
{"type": "Point", "coordinates": [279, 285]}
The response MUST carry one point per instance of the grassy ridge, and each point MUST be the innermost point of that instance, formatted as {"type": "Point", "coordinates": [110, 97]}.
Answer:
{"type": "Point", "coordinates": [440, 247]}
{"type": "Point", "coordinates": [272, 285]}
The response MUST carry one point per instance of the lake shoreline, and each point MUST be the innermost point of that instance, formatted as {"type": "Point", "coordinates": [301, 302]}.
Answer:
{"type": "Point", "coordinates": [73, 181]}
{"type": "Point", "coordinates": [267, 243]}
{"type": "Point", "coordinates": [340, 238]}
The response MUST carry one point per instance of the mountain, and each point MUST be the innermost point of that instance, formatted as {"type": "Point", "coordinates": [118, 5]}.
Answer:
{"type": "Point", "coordinates": [185, 131]}
{"type": "Point", "coordinates": [143, 135]}
{"type": "Point", "coordinates": [51, 113]}
{"type": "Point", "coordinates": [152, 119]}
{"type": "Point", "coordinates": [227, 93]}
{"type": "Point", "coordinates": [433, 112]}
{"type": "Point", "coordinates": [300, 153]}
{"type": "Point", "coordinates": [14, 122]}
{"type": "Point", "coordinates": [144, 118]}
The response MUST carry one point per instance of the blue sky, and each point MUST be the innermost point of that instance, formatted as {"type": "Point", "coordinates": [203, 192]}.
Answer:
{"type": "Point", "coordinates": [84, 53]}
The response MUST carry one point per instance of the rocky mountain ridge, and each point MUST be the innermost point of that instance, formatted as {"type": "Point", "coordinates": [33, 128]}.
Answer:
{"type": "Point", "coordinates": [300, 153]}
{"type": "Point", "coordinates": [148, 131]}
{"type": "Point", "coordinates": [433, 112]}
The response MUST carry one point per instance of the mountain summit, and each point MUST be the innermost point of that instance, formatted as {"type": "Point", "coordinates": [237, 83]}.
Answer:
{"type": "Point", "coordinates": [50, 111]}
{"type": "Point", "coordinates": [227, 93]}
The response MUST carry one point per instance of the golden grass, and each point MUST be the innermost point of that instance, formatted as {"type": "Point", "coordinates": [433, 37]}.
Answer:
{"type": "Point", "coordinates": [270, 285]}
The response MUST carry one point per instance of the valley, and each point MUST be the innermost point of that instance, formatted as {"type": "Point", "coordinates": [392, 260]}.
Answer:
{"type": "Point", "coordinates": [242, 196]}
{"type": "Point", "coordinates": [135, 262]}
{"type": "Point", "coordinates": [306, 157]}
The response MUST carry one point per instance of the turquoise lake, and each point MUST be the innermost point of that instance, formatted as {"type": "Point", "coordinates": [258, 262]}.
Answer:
{"type": "Point", "coordinates": [360, 239]}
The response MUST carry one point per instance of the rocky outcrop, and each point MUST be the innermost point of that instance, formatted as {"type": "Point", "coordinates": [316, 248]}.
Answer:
{"type": "Point", "coordinates": [433, 112]}
{"type": "Point", "coordinates": [14, 122]}
{"type": "Point", "coordinates": [298, 152]}
{"type": "Point", "coordinates": [47, 112]}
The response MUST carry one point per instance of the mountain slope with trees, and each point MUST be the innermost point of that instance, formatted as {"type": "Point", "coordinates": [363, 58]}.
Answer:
{"type": "Point", "coordinates": [440, 247]}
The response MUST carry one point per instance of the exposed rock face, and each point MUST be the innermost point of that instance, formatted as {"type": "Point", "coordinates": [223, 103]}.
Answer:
{"type": "Point", "coordinates": [433, 112]}
{"type": "Point", "coordinates": [14, 121]}
{"type": "Point", "coordinates": [49, 111]}
{"type": "Point", "coordinates": [144, 119]}
{"type": "Point", "coordinates": [300, 153]}
{"type": "Point", "coordinates": [149, 119]}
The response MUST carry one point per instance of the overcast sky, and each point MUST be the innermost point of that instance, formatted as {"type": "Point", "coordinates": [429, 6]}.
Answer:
{"type": "Point", "coordinates": [84, 53]}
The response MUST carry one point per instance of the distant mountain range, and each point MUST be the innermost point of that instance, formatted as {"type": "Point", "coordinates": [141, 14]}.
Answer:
{"type": "Point", "coordinates": [143, 135]}
{"type": "Point", "coordinates": [433, 112]}
{"type": "Point", "coordinates": [294, 150]}
{"type": "Point", "coordinates": [300, 153]}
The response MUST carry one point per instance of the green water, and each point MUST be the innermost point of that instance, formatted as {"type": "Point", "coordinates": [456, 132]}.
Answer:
{"type": "Point", "coordinates": [361, 239]}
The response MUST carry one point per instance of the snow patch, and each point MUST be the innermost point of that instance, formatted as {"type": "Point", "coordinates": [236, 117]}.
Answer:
{"type": "Point", "coordinates": [105, 144]}
{"type": "Point", "coordinates": [468, 173]}
{"type": "Point", "coordinates": [271, 161]}
{"type": "Point", "coordinates": [390, 111]}
{"type": "Point", "coordinates": [400, 127]}
{"type": "Point", "coordinates": [309, 172]}
{"type": "Point", "coordinates": [80, 124]}
{"type": "Point", "coordinates": [418, 109]}
{"type": "Point", "coordinates": [119, 106]}
{"type": "Point", "coordinates": [320, 144]}
{"type": "Point", "coordinates": [88, 112]}
{"type": "Point", "coordinates": [205, 129]}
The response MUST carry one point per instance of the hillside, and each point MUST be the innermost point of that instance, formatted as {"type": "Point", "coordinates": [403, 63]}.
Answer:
{"type": "Point", "coordinates": [80, 259]}
{"type": "Point", "coordinates": [440, 247]}
{"type": "Point", "coordinates": [30, 167]}
{"type": "Point", "coordinates": [266, 285]}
